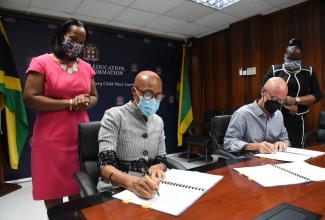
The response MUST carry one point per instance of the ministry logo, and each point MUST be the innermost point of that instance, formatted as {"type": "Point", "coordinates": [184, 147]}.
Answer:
{"type": "Point", "coordinates": [52, 25]}
{"type": "Point", "coordinates": [10, 19]}
{"type": "Point", "coordinates": [171, 99]}
{"type": "Point", "coordinates": [159, 70]}
{"type": "Point", "coordinates": [119, 100]}
{"type": "Point", "coordinates": [134, 67]}
{"type": "Point", "coordinates": [91, 52]}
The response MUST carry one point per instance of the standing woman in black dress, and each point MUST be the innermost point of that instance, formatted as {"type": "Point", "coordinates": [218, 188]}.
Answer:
{"type": "Point", "coordinates": [303, 90]}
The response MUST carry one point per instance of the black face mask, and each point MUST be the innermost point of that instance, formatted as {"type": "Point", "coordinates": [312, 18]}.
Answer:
{"type": "Point", "coordinates": [271, 106]}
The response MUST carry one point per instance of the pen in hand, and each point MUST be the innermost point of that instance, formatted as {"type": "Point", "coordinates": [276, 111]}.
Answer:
{"type": "Point", "coordinates": [146, 171]}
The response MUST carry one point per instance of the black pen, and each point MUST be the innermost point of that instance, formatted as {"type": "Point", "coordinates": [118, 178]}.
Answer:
{"type": "Point", "coordinates": [146, 171]}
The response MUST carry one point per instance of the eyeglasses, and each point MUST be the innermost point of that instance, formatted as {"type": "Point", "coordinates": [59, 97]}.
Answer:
{"type": "Point", "coordinates": [147, 94]}
{"type": "Point", "coordinates": [276, 99]}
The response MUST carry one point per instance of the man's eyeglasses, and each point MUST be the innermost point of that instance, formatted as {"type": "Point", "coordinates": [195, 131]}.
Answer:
{"type": "Point", "coordinates": [276, 99]}
{"type": "Point", "coordinates": [149, 95]}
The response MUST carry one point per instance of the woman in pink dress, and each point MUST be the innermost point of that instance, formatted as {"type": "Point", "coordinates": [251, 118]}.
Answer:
{"type": "Point", "coordinates": [61, 87]}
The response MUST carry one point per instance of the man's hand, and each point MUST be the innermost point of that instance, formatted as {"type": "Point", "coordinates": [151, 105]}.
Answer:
{"type": "Point", "coordinates": [144, 187]}
{"type": "Point", "coordinates": [265, 147]}
{"type": "Point", "coordinates": [280, 146]}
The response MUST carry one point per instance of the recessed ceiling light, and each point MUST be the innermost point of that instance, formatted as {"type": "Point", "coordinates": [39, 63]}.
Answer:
{"type": "Point", "coordinates": [216, 4]}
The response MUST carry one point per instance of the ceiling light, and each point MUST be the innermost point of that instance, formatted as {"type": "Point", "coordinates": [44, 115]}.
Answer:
{"type": "Point", "coordinates": [217, 4]}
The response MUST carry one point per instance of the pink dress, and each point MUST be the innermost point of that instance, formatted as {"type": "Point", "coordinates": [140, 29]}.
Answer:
{"type": "Point", "coordinates": [55, 137]}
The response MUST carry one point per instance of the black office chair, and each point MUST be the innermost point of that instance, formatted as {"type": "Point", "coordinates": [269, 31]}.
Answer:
{"type": "Point", "coordinates": [203, 140]}
{"type": "Point", "coordinates": [219, 126]}
{"type": "Point", "coordinates": [320, 134]}
{"type": "Point", "coordinates": [230, 112]}
{"type": "Point", "coordinates": [88, 177]}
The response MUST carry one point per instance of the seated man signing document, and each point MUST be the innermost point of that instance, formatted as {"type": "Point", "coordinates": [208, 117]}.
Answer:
{"type": "Point", "coordinates": [258, 127]}
{"type": "Point", "coordinates": [132, 141]}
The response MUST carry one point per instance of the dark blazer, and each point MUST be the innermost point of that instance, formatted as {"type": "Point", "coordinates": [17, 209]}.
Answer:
{"type": "Point", "coordinates": [305, 83]}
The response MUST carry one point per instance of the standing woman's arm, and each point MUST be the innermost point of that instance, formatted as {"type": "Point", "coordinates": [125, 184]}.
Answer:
{"type": "Point", "coordinates": [315, 88]}
{"type": "Point", "coordinates": [34, 95]}
{"type": "Point", "coordinates": [93, 95]}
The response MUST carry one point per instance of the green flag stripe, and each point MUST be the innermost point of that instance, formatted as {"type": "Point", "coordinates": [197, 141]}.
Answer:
{"type": "Point", "coordinates": [186, 99]}
{"type": "Point", "coordinates": [186, 121]}
{"type": "Point", "coordinates": [12, 101]}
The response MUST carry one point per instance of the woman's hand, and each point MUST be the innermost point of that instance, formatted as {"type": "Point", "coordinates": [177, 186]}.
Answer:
{"type": "Point", "coordinates": [290, 100]}
{"type": "Point", "coordinates": [292, 108]}
{"type": "Point", "coordinates": [145, 187]}
{"type": "Point", "coordinates": [81, 102]}
{"type": "Point", "coordinates": [157, 171]}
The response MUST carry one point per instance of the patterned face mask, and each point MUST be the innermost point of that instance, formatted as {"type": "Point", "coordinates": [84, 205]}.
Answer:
{"type": "Point", "coordinates": [71, 47]}
{"type": "Point", "coordinates": [292, 65]}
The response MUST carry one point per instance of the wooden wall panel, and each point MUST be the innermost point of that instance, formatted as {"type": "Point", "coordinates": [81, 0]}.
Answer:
{"type": "Point", "coordinates": [195, 80]}
{"type": "Point", "coordinates": [209, 90]}
{"type": "Point", "coordinates": [319, 57]}
{"type": "Point", "coordinates": [258, 42]}
{"type": "Point", "coordinates": [246, 52]}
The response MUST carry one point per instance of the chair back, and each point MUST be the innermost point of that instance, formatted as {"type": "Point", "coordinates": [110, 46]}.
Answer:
{"type": "Point", "coordinates": [88, 148]}
{"type": "Point", "coordinates": [208, 115]}
{"type": "Point", "coordinates": [87, 178]}
{"type": "Point", "coordinates": [219, 126]}
{"type": "Point", "coordinates": [321, 128]}
{"type": "Point", "coordinates": [230, 112]}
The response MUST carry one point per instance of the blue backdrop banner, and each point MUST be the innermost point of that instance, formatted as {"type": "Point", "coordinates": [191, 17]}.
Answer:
{"type": "Point", "coordinates": [115, 56]}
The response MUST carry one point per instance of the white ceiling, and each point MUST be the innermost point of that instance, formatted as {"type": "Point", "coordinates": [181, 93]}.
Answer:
{"type": "Point", "coordinates": [178, 19]}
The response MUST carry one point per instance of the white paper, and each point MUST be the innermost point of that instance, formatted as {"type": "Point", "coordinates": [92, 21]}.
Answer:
{"type": "Point", "coordinates": [292, 154]}
{"type": "Point", "coordinates": [175, 199]}
{"type": "Point", "coordinates": [291, 173]}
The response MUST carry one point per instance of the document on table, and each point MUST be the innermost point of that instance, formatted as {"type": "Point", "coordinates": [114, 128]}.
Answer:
{"type": "Point", "coordinates": [178, 191]}
{"type": "Point", "coordinates": [283, 174]}
{"type": "Point", "coordinates": [292, 154]}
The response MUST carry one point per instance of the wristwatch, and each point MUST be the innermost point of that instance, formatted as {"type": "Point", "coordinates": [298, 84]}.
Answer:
{"type": "Point", "coordinates": [297, 100]}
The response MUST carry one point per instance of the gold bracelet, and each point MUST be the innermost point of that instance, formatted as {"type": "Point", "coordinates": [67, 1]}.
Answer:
{"type": "Point", "coordinates": [70, 104]}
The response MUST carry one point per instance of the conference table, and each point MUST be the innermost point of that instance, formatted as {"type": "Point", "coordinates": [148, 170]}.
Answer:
{"type": "Point", "coordinates": [234, 197]}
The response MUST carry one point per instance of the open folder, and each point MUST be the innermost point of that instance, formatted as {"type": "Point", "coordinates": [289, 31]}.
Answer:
{"type": "Point", "coordinates": [292, 154]}
{"type": "Point", "coordinates": [283, 174]}
{"type": "Point", "coordinates": [178, 191]}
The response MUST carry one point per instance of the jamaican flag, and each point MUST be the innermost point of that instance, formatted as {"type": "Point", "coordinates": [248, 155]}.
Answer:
{"type": "Point", "coordinates": [185, 115]}
{"type": "Point", "coordinates": [14, 124]}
